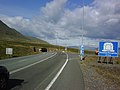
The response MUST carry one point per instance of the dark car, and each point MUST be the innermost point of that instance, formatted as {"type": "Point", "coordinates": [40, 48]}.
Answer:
{"type": "Point", "coordinates": [43, 49]}
{"type": "Point", "coordinates": [4, 77]}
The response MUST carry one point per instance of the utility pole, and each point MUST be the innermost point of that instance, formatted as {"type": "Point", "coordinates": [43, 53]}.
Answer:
{"type": "Point", "coordinates": [57, 40]}
{"type": "Point", "coordinates": [82, 47]}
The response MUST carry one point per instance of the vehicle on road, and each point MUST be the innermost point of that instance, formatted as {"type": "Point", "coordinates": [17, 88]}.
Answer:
{"type": "Point", "coordinates": [4, 77]}
{"type": "Point", "coordinates": [43, 49]}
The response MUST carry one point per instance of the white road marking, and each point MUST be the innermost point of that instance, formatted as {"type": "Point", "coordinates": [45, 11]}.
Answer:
{"type": "Point", "coordinates": [22, 60]}
{"type": "Point", "coordinates": [14, 71]}
{"type": "Point", "coordinates": [57, 75]}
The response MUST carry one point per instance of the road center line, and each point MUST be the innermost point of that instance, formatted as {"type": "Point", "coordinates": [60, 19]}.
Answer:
{"type": "Point", "coordinates": [57, 75]}
{"type": "Point", "coordinates": [22, 60]}
{"type": "Point", "coordinates": [14, 71]}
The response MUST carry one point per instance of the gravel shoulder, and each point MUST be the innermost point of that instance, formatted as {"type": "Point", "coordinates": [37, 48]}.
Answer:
{"type": "Point", "coordinates": [100, 76]}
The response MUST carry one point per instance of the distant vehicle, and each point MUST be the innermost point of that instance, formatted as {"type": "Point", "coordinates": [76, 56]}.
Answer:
{"type": "Point", "coordinates": [43, 49]}
{"type": "Point", "coordinates": [4, 77]}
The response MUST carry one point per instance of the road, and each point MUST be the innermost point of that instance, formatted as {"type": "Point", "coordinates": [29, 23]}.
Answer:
{"type": "Point", "coordinates": [47, 71]}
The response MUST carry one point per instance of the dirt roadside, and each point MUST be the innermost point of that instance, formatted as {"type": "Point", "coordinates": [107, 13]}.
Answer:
{"type": "Point", "coordinates": [100, 76]}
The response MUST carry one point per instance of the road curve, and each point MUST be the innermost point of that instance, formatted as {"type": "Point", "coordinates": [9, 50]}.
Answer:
{"type": "Point", "coordinates": [71, 78]}
{"type": "Point", "coordinates": [36, 72]}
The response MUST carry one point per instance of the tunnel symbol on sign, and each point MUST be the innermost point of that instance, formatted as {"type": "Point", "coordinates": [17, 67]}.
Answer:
{"type": "Point", "coordinates": [108, 47]}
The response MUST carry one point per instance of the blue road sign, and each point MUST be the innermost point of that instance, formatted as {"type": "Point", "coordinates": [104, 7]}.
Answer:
{"type": "Point", "coordinates": [81, 50]}
{"type": "Point", "coordinates": [108, 49]}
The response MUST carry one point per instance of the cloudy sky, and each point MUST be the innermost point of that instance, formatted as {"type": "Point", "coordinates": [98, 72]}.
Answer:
{"type": "Point", "coordinates": [61, 21]}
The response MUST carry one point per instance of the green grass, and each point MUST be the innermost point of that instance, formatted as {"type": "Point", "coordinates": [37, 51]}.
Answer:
{"type": "Point", "coordinates": [27, 48]}
{"type": "Point", "coordinates": [20, 48]}
{"type": "Point", "coordinates": [94, 58]}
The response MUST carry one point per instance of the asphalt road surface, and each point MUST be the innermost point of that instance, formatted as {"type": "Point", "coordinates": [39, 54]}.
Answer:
{"type": "Point", "coordinates": [46, 71]}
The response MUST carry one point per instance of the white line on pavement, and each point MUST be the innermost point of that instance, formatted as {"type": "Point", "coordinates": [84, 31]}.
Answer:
{"type": "Point", "coordinates": [22, 60]}
{"type": "Point", "coordinates": [57, 75]}
{"type": "Point", "coordinates": [14, 71]}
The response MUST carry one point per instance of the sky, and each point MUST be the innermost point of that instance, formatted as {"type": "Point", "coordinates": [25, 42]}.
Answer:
{"type": "Point", "coordinates": [61, 21]}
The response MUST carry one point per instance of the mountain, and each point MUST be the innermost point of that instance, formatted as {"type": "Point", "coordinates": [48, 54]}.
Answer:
{"type": "Point", "coordinates": [10, 34]}
{"type": "Point", "coordinates": [34, 39]}
{"type": "Point", "coordinates": [85, 47]}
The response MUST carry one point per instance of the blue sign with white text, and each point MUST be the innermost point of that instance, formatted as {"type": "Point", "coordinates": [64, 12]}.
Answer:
{"type": "Point", "coordinates": [108, 49]}
{"type": "Point", "coordinates": [81, 50]}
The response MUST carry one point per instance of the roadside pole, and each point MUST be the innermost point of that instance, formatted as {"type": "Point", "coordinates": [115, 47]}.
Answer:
{"type": "Point", "coordinates": [56, 40]}
{"type": "Point", "coordinates": [82, 50]}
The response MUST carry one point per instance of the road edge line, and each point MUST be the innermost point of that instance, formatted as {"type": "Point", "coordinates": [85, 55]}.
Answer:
{"type": "Point", "coordinates": [57, 75]}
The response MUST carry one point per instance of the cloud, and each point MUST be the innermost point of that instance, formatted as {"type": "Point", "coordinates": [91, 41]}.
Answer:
{"type": "Point", "coordinates": [54, 10]}
{"type": "Point", "coordinates": [101, 21]}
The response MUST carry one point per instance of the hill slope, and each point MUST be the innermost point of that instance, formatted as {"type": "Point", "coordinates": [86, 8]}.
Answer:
{"type": "Point", "coordinates": [9, 34]}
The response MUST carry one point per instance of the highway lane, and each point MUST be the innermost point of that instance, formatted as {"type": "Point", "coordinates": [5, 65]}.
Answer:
{"type": "Point", "coordinates": [71, 78]}
{"type": "Point", "coordinates": [20, 62]}
{"type": "Point", "coordinates": [40, 75]}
